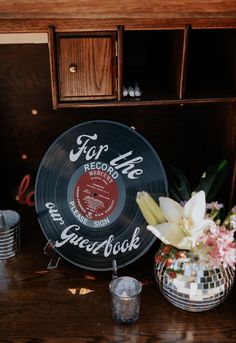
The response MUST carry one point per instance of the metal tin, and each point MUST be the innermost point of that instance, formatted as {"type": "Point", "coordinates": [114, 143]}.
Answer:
{"type": "Point", "coordinates": [9, 233]}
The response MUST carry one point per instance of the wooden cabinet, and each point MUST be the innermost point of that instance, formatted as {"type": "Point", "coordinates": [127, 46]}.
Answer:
{"type": "Point", "coordinates": [184, 62]}
{"type": "Point", "coordinates": [176, 65]}
{"type": "Point", "coordinates": [183, 56]}
{"type": "Point", "coordinates": [169, 66]}
{"type": "Point", "coordinates": [181, 64]}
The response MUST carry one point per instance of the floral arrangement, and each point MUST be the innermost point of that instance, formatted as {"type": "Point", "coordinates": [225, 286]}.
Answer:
{"type": "Point", "coordinates": [191, 229]}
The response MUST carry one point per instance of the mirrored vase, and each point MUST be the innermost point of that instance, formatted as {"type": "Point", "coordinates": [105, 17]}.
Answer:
{"type": "Point", "coordinates": [192, 286]}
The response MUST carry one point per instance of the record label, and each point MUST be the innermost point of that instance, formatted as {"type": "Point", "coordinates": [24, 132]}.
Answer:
{"type": "Point", "coordinates": [85, 194]}
{"type": "Point", "coordinates": [94, 196]}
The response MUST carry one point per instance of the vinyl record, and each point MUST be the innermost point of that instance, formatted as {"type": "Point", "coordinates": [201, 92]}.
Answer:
{"type": "Point", "coordinates": [85, 194]}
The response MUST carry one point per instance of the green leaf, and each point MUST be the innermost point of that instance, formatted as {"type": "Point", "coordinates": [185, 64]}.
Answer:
{"type": "Point", "coordinates": [179, 188]}
{"type": "Point", "coordinates": [213, 179]}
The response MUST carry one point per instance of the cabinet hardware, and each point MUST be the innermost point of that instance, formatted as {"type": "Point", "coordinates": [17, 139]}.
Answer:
{"type": "Point", "coordinates": [73, 68]}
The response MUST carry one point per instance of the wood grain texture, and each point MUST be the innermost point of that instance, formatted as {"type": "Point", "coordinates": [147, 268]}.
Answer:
{"type": "Point", "coordinates": [71, 25]}
{"type": "Point", "coordinates": [120, 62]}
{"type": "Point", "coordinates": [136, 103]}
{"type": "Point", "coordinates": [39, 306]}
{"type": "Point", "coordinates": [118, 9]}
{"type": "Point", "coordinates": [53, 67]}
{"type": "Point", "coordinates": [94, 61]}
{"type": "Point", "coordinates": [184, 59]}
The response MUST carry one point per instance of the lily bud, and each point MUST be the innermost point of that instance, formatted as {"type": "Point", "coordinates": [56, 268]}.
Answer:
{"type": "Point", "coordinates": [150, 209]}
{"type": "Point", "coordinates": [154, 208]}
{"type": "Point", "coordinates": [148, 216]}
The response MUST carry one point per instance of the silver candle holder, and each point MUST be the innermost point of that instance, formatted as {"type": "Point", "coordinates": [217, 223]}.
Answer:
{"type": "Point", "coordinates": [125, 294]}
{"type": "Point", "coordinates": [9, 234]}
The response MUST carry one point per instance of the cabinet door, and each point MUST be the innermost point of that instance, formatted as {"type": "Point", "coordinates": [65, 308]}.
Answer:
{"type": "Point", "coordinates": [86, 66]}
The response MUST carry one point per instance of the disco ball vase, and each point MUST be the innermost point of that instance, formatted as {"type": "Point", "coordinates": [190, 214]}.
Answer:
{"type": "Point", "coordinates": [191, 286]}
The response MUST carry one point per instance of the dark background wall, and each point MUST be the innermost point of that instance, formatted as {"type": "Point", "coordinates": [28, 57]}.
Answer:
{"type": "Point", "coordinates": [190, 137]}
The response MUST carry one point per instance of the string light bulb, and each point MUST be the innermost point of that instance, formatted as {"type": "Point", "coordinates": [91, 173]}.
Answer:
{"type": "Point", "coordinates": [24, 156]}
{"type": "Point", "coordinates": [34, 112]}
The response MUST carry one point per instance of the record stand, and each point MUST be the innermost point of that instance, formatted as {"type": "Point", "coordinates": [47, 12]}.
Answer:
{"type": "Point", "coordinates": [54, 257]}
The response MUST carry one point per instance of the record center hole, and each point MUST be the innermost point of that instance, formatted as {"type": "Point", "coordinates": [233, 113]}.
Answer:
{"type": "Point", "coordinates": [95, 194]}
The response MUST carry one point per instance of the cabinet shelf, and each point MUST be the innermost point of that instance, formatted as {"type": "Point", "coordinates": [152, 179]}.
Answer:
{"type": "Point", "coordinates": [137, 102]}
{"type": "Point", "coordinates": [153, 59]}
{"type": "Point", "coordinates": [211, 63]}
{"type": "Point", "coordinates": [170, 66]}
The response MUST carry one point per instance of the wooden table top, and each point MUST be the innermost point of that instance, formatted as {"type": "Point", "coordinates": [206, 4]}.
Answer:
{"type": "Point", "coordinates": [70, 304]}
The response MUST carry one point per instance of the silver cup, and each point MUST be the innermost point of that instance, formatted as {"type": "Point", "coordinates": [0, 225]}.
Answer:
{"type": "Point", "coordinates": [9, 234]}
{"type": "Point", "coordinates": [125, 295]}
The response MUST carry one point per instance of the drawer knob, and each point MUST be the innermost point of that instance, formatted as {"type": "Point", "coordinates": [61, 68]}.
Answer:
{"type": "Point", "coordinates": [73, 68]}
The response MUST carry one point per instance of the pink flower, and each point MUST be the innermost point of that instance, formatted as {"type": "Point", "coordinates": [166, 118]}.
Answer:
{"type": "Point", "coordinates": [217, 247]}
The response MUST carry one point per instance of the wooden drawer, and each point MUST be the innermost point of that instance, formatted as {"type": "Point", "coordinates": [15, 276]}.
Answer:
{"type": "Point", "coordinates": [85, 66]}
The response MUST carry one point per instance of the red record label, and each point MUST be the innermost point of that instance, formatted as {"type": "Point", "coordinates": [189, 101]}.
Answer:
{"type": "Point", "coordinates": [96, 195]}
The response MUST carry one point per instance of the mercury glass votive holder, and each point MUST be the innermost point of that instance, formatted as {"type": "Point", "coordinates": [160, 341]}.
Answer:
{"type": "Point", "coordinates": [125, 295]}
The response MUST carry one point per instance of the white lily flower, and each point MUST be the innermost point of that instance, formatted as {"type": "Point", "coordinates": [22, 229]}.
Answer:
{"type": "Point", "coordinates": [184, 224]}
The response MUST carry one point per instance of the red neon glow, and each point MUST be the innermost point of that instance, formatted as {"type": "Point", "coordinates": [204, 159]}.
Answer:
{"type": "Point", "coordinates": [24, 197]}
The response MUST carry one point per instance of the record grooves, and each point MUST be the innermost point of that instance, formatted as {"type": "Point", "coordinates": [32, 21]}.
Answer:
{"type": "Point", "coordinates": [85, 194]}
